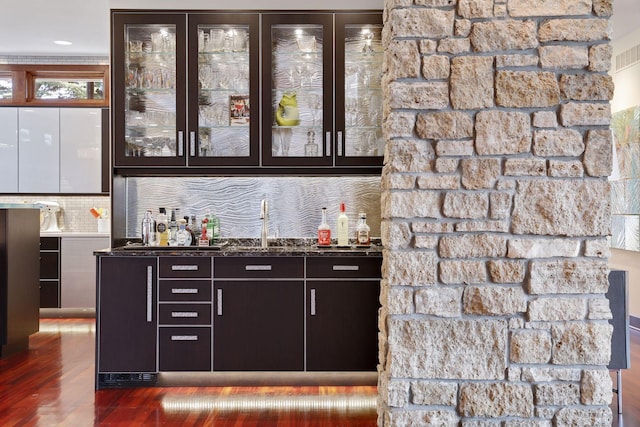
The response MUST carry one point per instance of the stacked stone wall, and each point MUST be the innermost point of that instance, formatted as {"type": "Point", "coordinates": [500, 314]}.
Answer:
{"type": "Point", "coordinates": [495, 213]}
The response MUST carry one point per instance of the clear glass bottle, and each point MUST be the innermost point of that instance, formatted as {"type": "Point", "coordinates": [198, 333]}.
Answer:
{"type": "Point", "coordinates": [183, 237]}
{"type": "Point", "coordinates": [324, 231]}
{"type": "Point", "coordinates": [196, 229]}
{"type": "Point", "coordinates": [343, 227]}
{"type": "Point", "coordinates": [363, 231]}
{"type": "Point", "coordinates": [173, 227]}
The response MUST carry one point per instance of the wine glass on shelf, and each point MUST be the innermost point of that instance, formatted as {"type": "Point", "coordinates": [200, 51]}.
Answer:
{"type": "Point", "coordinates": [351, 108]}
{"type": "Point", "coordinates": [314, 102]}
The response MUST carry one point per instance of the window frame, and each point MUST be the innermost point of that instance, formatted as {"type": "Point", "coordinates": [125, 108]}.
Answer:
{"type": "Point", "coordinates": [24, 77]}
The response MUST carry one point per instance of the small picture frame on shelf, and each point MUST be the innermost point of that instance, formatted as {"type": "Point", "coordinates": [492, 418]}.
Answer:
{"type": "Point", "coordinates": [239, 110]}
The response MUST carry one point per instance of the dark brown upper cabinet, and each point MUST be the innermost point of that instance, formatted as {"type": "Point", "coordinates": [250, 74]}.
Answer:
{"type": "Point", "coordinates": [246, 92]}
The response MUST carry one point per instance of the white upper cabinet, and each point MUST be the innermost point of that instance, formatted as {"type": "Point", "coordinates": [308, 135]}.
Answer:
{"type": "Point", "coordinates": [8, 150]}
{"type": "Point", "coordinates": [80, 150]}
{"type": "Point", "coordinates": [39, 150]}
{"type": "Point", "coordinates": [51, 150]}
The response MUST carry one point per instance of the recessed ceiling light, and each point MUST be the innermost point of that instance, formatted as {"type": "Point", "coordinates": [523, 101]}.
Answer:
{"type": "Point", "coordinates": [63, 42]}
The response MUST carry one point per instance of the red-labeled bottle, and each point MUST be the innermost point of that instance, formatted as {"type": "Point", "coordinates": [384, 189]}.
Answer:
{"type": "Point", "coordinates": [324, 231]}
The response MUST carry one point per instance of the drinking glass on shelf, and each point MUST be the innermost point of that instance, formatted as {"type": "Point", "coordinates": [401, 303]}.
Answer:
{"type": "Point", "coordinates": [216, 40]}
{"type": "Point", "coordinates": [314, 102]}
{"type": "Point", "coordinates": [306, 44]}
{"type": "Point", "coordinates": [352, 110]}
{"type": "Point", "coordinates": [135, 46]}
{"type": "Point", "coordinates": [239, 40]}
{"type": "Point", "coordinates": [205, 75]}
{"type": "Point", "coordinates": [157, 42]}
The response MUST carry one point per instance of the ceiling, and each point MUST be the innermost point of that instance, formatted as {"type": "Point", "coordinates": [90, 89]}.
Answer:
{"type": "Point", "coordinates": [30, 27]}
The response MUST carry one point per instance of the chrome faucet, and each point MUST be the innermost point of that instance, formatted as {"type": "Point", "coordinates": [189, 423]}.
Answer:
{"type": "Point", "coordinates": [264, 216]}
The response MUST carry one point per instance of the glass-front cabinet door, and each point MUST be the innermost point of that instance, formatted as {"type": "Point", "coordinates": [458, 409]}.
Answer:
{"type": "Point", "coordinates": [297, 99]}
{"type": "Point", "coordinates": [359, 56]}
{"type": "Point", "coordinates": [149, 89]}
{"type": "Point", "coordinates": [223, 101]}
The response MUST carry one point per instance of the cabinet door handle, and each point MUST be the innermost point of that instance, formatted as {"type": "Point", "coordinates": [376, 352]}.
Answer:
{"type": "Point", "coordinates": [346, 267]}
{"type": "Point", "coordinates": [181, 314]}
{"type": "Point", "coordinates": [192, 143]}
{"type": "Point", "coordinates": [180, 143]}
{"type": "Point", "coordinates": [219, 302]}
{"type": "Point", "coordinates": [339, 143]}
{"type": "Point", "coordinates": [327, 141]}
{"type": "Point", "coordinates": [257, 268]}
{"type": "Point", "coordinates": [179, 267]}
{"type": "Point", "coordinates": [184, 290]}
{"type": "Point", "coordinates": [149, 293]}
{"type": "Point", "coordinates": [313, 302]}
{"type": "Point", "coordinates": [184, 338]}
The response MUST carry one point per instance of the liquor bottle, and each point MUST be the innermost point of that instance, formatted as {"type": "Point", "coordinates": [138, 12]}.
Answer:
{"type": "Point", "coordinates": [148, 229]}
{"type": "Point", "coordinates": [324, 231]}
{"type": "Point", "coordinates": [162, 227]}
{"type": "Point", "coordinates": [189, 228]}
{"type": "Point", "coordinates": [210, 229]}
{"type": "Point", "coordinates": [204, 239]}
{"type": "Point", "coordinates": [363, 231]}
{"type": "Point", "coordinates": [343, 227]}
{"type": "Point", "coordinates": [173, 227]}
{"type": "Point", "coordinates": [183, 237]}
{"type": "Point", "coordinates": [216, 227]}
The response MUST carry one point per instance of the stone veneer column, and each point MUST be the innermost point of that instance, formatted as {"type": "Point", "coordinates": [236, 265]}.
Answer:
{"type": "Point", "coordinates": [496, 213]}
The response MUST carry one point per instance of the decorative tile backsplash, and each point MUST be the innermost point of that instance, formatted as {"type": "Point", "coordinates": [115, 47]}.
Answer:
{"type": "Point", "coordinates": [74, 210]}
{"type": "Point", "coordinates": [295, 203]}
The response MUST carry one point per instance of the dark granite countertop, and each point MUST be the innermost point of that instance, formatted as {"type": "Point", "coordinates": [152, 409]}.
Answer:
{"type": "Point", "coordinates": [246, 247]}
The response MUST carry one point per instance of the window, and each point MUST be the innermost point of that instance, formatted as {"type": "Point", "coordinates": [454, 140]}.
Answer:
{"type": "Point", "coordinates": [6, 87]}
{"type": "Point", "coordinates": [62, 85]}
{"type": "Point", "coordinates": [64, 88]}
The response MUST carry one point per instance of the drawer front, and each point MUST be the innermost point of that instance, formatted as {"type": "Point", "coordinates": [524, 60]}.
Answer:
{"type": "Point", "coordinates": [183, 290]}
{"type": "Point", "coordinates": [185, 349]}
{"type": "Point", "coordinates": [185, 314]}
{"type": "Point", "coordinates": [50, 265]}
{"type": "Point", "coordinates": [185, 267]}
{"type": "Point", "coordinates": [259, 267]}
{"type": "Point", "coordinates": [344, 267]}
{"type": "Point", "coordinates": [49, 243]}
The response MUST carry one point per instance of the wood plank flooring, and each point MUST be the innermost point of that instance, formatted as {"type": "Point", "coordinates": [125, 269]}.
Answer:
{"type": "Point", "coordinates": [52, 384]}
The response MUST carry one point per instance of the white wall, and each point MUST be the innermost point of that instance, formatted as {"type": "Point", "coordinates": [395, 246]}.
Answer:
{"type": "Point", "coordinates": [627, 94]}
{"type": "Point", "coordinates": [246, 4]}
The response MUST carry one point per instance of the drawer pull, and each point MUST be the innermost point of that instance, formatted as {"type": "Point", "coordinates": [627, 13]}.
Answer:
{"type": "Point", "coordinates": [219, 302]}
{"type": "Point", "coordinates": [184, 314]}
{"type": "Point", "coordinates": [346, 267]}
{"type": "Point", "coordinates": [257, 268]}
{"type": "Point", "coordinates": [184, 291]}
{"type": "Point", "coordinates": [149, 294]}
{"type": "Point", "coordinates": [184, 268]}
{"type": "Point", "coordinates": [184, 338]}
{"type": "Point", "coordinates": [313, 302]}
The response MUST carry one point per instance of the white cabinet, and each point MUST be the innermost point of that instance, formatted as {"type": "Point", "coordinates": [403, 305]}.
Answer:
{"type": "Point", "coordinates": [78, 270]}
{"type": "Point", "coordinates": [39, 150]}
{"type": "Point", "coordinates": [80, 150]}
{"type": "Point", "coordinates": [8, 150]}
{"type": "Point", "coordinates": [50, 150]}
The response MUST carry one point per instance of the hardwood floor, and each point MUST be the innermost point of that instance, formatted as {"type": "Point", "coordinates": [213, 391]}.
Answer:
{"type": "Point", "coordinates": [52, 384]}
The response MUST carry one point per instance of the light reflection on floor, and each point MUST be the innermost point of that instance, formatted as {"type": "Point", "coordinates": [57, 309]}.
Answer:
{"type": "Point", "coordinates": [246, 403]}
